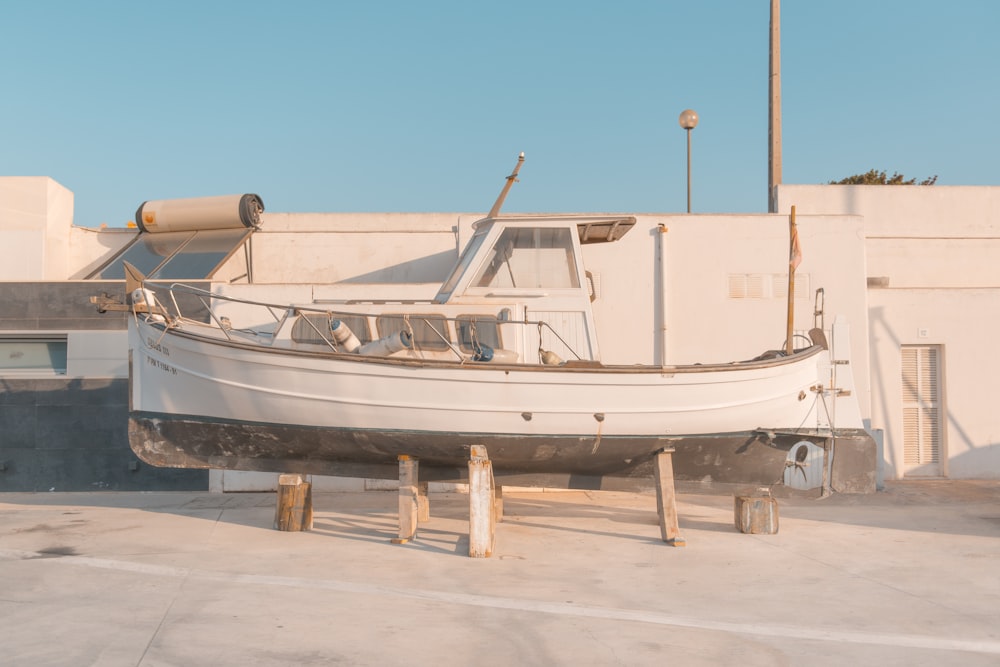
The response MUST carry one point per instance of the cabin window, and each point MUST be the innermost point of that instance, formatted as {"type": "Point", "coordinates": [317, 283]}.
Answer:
{"type": "Point", "coordinates": [475, 330]}
{"type": "Point", "coordinates": [430, 332]}
{"type": "Point", "coordinates": [305, 328]}
{"type": "Point", "coordinates": [530, 258]}
{"type": "Point", "coordinates": [33, 354]}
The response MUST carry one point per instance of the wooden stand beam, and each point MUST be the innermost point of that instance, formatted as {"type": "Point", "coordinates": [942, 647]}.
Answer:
{"type": "Point", "coordinates": [482, 504]}
{"type": "Point", "coordinates": [423, 504]}
{"type": "Point", "coordinates": [666, 501]}
{"type": "Point", "coordinates": [498, 503]}
{"type": "Point", "coordinates": [294, 511]}
{"type": "Point", "coordinates": [409, 499]}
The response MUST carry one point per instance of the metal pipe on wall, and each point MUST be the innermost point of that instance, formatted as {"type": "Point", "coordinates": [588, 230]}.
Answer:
{"type": "Point", "coordinates": [661, 255]}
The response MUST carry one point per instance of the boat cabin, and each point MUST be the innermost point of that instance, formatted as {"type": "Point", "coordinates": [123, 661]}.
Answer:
{"type": "Point", "coordinates": [519, 293]}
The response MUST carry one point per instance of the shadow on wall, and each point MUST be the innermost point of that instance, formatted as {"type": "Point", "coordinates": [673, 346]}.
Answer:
{"type": "Point", "coordinates": [430, 269]}
{"type": "Point", "coordinates": [879, 327]}
{"type": "Point", "coordinates": [982, 462]}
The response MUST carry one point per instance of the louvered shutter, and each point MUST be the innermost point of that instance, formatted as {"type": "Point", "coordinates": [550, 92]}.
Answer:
{"type": "Point", "coordinates": [921, 410]}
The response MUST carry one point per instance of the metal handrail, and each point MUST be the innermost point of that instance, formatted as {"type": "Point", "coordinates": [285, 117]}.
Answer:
{"type": "Point", "coordinates": [289, 310]}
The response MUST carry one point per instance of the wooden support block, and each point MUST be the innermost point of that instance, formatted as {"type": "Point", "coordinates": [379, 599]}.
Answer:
{"type": "Point", "coordinates": [409, 503]}
{"type": "Point", "coordinates": [482, 504]}
{"type": "Point", "coordinates": [294, 511]}
{"type": "Point", "coordinates": [423, 504]}
{"type": "Point", "coordinates": [756, 514]}
{"type": "Point", "coordinates": [666, 501]}
{"type": "Point", "coordinates": [498, 504]}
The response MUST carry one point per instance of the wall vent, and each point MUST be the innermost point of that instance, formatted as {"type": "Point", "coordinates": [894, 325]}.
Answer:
{"type": "Point", "coordinates": [766, 286]}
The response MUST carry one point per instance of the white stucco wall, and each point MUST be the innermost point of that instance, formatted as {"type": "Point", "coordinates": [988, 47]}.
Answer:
{"type": "Point", "coordinates": [357, 247]}
{"type": "Point", "coordinates": [35, 215]}
{"type": "Point", "coordinates": [956, 323]}
{"type": "Point", "coordinates": [930, 252]}
{"type": "Point", "coordinates": [38, 240]}
{"type": "Point", "coordinates": [705, 322]}
{"type": "Point", "coordinates": [89, 248]}
{"type": "Point", "coordinates": [935, 280]}
{"type": "Point", "coordinates": [910, 211]}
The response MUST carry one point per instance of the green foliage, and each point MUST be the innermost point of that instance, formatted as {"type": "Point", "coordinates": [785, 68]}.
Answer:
{"type": "Point", "coordinates": [875, 177]}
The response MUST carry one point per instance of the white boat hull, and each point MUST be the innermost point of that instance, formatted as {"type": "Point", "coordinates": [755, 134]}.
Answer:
{"type": "Point", "coordinates": [198, 401]}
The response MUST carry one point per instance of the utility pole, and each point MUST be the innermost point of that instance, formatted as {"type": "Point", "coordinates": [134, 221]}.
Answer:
{"type": "Point", "coordinates": [688, 120]}
{"type": "Point", "coordinates": [774, 109]}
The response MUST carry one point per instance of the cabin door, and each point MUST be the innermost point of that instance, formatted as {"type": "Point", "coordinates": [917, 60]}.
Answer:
{"type": "Point", "coordinates": [921, 392]}
{"type": "Point", "coordinates": [564, 332]}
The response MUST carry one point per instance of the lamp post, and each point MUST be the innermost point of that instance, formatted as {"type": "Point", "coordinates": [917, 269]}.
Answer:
{"type": "Point", "coordinates": [689, 120]}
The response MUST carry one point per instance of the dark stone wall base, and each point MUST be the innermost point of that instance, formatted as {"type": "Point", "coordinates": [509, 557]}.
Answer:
{"type": "Point", "coordinates": [63, 434]}
{"type": "Point", "coordinates": [854, 465]}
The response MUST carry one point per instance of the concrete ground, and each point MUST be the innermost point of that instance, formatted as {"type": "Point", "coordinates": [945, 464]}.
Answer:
{"type": "Point", "coordinates": [909, 576]}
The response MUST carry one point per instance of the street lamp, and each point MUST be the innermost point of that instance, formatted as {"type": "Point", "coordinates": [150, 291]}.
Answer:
{"type": "Point", "coordinates": [689, 120]}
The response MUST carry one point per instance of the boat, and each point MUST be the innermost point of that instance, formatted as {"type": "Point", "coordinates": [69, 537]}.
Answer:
{"type": "Point", "coordinates": [504, 355]}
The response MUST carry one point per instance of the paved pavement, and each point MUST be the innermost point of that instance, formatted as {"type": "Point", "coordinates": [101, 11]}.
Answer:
{"type": "Point", "coordinates": [909, 576]}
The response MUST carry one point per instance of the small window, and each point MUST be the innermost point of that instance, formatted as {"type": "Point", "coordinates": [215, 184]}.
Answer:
{"type": "Point", "coordinates": [476, 330]}
{"type": "Point", "coordinates": [430, 332]}
{"type": "Point", "coordinates": [305, 328]}
{"type": "Point", "coordinates": [33, 354]}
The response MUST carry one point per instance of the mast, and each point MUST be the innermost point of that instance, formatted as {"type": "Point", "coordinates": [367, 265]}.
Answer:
{"type": "Point", "coordinates": [794, 257]}
{"type": "Point", "coordinates": [774, 109]}
{"type": "Point", "coordinates": [495, 211]}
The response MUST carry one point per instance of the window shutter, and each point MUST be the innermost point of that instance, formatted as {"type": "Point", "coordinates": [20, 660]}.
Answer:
{"type": "Point", "coordinates": [921, 409]}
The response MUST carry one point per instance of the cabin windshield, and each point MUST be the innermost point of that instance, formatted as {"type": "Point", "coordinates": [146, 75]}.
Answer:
{"type": "Point", "coordinates": [530, 257]}
{"type": "Point", "coordinates": [463, 262]}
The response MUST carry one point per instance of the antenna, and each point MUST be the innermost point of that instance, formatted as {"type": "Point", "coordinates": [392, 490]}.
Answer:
{"type": "Point", "coordinates": [495, 211]}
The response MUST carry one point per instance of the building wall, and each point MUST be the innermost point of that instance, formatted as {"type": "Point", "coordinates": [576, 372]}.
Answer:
{"type": "Point", "coordinates": [726, 286]}
{"type": "Point", "coordinates": [368, 256]}
{"type": "Point", "coordinates": [326, 257]}
{"type": "Point", "coordinates": [69, 434]}
{"type": "Point", "coordinates": [68, 431]}
{"type": "Point", "coordinates": [934, 280]}
{"type": "Point", "coordinates": [37, 238]}
{"type": "Point", "coordinates": [925, 252]}
{"type": "Point", "coordinates": [90, 248]}
{"type": "Point", "coordinates": [357, 248]}
{"type": "Point", "coordinates": [329, 257]}
{"type": "Point", "coordinates": [35, 213]}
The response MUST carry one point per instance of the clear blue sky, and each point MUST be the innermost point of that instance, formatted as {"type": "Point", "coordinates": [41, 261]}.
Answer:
{"type": "Point", "coordinates": [424, 106]}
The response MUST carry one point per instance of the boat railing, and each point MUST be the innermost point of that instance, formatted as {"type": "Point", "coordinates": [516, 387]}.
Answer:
{"type": "Point", "coordinates": [205, 297]}
{"type": "Point", "coordinates": [282, 313]}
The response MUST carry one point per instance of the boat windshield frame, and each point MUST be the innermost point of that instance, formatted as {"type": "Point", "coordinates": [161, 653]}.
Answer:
{"type": "Point", "coordinates": [527, 258]}
{"type": "Point", "coordinates": [482, 249]}
{"type": "Point", "coordinates": [462, 266]}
